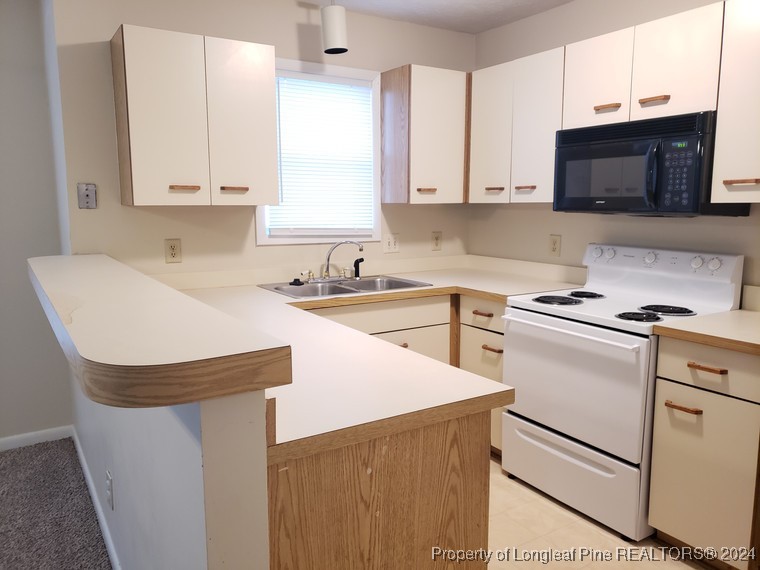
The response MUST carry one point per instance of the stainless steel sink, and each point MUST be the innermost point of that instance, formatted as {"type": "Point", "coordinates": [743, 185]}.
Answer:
{"type": "Point", "coordinates": [343, 286]}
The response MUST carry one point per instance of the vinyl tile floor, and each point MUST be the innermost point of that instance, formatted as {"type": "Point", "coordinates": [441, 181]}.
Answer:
{"type": "Point", "coordinates": [527, 526]}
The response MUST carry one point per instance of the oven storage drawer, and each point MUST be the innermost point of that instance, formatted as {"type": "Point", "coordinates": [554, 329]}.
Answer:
{"type": "Point", "coordinates": [710, 368]}
{"type": "Point", "coordinates": [595, 484]}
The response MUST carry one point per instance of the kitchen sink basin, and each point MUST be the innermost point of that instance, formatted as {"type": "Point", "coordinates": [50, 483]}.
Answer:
{"type": "Point", "coordinates": [343, 287]}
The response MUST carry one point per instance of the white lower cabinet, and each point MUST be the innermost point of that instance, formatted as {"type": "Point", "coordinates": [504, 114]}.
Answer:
{"type": "Point", "coordinates": [704, 466]}
{"type": "Point", "coordinates": [481, 352]}
{"type": "Point", "coordinates": [429, 341]}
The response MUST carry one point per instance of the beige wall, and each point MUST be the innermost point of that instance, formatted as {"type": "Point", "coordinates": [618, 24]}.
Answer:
{"type": "Point", "coordinates": [522, 231]}
{"type": "Point", "coordinates": [223, 238]}
{"type": "Point", "coordinates": [34, 390]}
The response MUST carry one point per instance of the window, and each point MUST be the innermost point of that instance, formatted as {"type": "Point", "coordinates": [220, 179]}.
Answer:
{"type": "Point", "coordinates": [328, 145]}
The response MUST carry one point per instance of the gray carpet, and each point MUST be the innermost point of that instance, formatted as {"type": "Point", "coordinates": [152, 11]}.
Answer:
{"type": "Point", "coordinates": [47, 520]}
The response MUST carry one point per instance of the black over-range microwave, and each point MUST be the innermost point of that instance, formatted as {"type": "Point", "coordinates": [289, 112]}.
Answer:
{"type": "Point", "coordinates": [655, 167]}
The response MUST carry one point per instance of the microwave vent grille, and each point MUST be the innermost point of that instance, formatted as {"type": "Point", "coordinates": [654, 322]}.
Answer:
{"type": "Point", "coordinates": [695, 123]}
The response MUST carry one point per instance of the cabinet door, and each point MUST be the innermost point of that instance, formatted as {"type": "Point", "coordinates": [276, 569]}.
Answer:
{"type": "Point", "coordinates": [491, 134]}
{"type": "Point", "coordinates": [242, 125]}
{"type": "Point", "coordinates": [479, 353]}
{"type": "Point", "coordinates": [598, 80]}
{"type": "Point", "coordinates": [437, 133]}
{"type": "Point", "coordinates": [703, 467]}
{"type": "Point", "coordinates": [536, 116]}
{"type": "Point", "coordinates": [676, 61]}
{"type": "Point", "coordinates": [736, 170]}
{"type": "Point", "coordinates": [168, 133]}
{"type": "Point", "coordinates": [429, 341]}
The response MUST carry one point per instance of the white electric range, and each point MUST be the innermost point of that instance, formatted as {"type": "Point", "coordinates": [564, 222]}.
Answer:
{"type": "Point", "coordinates": [582, 362]}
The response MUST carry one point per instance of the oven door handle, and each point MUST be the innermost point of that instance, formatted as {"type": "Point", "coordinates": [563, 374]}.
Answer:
{"type": "Point", "coordinates": [628, 347]}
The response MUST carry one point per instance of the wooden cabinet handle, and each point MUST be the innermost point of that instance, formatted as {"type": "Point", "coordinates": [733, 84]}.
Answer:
{"type": "Point", "coordinates": [404, 345]}
{"type": "Point", "coordinates": [494, 188]}
{"type": "Point", "coordinates": [693, 411]}
{"type": "Point", "coordinates": [738, 181]}
{"type": "Point", "coordinates": [234, 188]}
{"type": "Point", "coordinates": [481, 313]}
{"type": "Point", "coordinates": [606, 106]}
{"type": "Point", "coordinates": [184, 187]}
{"type": "Point", "coordinates": [427, 190]}
{"type": "Point", "coordinates": [645, 100]}
{"type": "Point", "coordinates": [492, 349]}
{"type": "Point", "coordinates": [529, 187]}
{"type": "Point", "coordinates": [703, 368]}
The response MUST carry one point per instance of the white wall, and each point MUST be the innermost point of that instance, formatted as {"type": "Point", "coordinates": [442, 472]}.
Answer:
{"type": "Point", "coordinates": [223, 238]}
{"type": "Point", "coordinates": [522, 231]}
{"type": "Point", "coordinates": [34, 390]}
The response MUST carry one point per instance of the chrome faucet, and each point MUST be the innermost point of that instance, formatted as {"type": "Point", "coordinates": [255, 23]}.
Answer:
{"type": "Point", "coordinates": [326, 274]}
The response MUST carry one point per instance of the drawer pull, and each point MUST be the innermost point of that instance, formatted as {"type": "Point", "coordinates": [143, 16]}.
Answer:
{"type": "Point", "coordinates": [738, 181]}
{"type": "Point", "coordinates": [492, 349]}
{"type": "Point", "coordinates": [404, 345]}
{"type": "Point", "coordinates": [710, 369]}
{"type": "Point", "coordinates": [692, 411]}
{"type": "Point", "coordinates": [656, 98]}
{"type": "Point", "coordinates": [427, 190]}
{"type": "Point", "coordinates": [494, 188]}
{"type": "Point", "coordinates": [528, 187]}
{"type": "Point", "coordinates": [482, 313]}
{"type": "Point", "coordinates": [234, 188]}
{"type": "Point", "coordinates": [607, 106]}
{"type": "Point", "coordinates": [184, 187]}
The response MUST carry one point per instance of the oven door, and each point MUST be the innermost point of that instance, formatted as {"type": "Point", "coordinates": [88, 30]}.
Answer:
{"type": "Point", "coordinates": [589, 383]}
{"type": "Point", "coordinates": [607, 177]}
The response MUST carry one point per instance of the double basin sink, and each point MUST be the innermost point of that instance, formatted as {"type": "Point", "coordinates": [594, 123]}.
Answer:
{"type": "Point", "coordinates": [343, 287]}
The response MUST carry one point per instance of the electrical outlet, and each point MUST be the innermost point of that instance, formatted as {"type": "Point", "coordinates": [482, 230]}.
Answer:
{"type": "Point", "coordinates": [109, 489]}
{"type": "Point", "coordinates": [87, 195]}
{"type": "Point", "coordinates": [555, 245]}
{"type": "Point", "coordinates": [437, 240]}
{"type": "Point", "coordinates": [173, 250]}
{"type": "Point", "coordinates": [391, 243]}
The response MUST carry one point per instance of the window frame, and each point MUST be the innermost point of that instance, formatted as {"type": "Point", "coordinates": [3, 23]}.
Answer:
{"type": "Point", "coordinates": [340, 74]}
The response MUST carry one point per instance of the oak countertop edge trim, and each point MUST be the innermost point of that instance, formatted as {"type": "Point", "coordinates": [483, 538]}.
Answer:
{"type": "Point", "coordinates": [708, 339]}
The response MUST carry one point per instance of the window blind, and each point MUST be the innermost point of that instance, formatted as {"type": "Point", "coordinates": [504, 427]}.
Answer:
{"type": "Point", "coordinates": [326, 159]}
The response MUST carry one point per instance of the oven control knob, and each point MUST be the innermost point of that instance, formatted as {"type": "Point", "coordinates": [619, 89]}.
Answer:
{"type": "Point", "coordinates": [609, 253]}
{"type": "Point", "coordinates": [697, 262]}
{"type": "Point", "coordinates": [597, 252]}
{"type": "Point", "coordinates": [650, 258]}
{"type": "Point", "coordinates": [714, 264]}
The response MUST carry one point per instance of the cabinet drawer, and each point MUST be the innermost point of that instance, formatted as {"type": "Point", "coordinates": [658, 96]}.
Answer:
{"type": "Point", "coordinates": [391, 315]}
{"type": "Point", "coordinates": [430, 341]}
{"type": "Point", "coordinates": [703, 467]}
{"type": "Point", "coordinates": [474, 358]}
{"type": "Point", "coordinates": [475, 312]}
{"type": "Point", "coordinates": [699, 365]}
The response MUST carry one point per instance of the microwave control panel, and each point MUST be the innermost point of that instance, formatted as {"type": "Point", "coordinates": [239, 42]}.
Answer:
{"type": "Point", "coordinates": [678, 182]}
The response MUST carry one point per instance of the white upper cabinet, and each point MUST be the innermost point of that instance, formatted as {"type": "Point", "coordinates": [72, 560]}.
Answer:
{"type": "Point", "coordinates": [178, 146]}
{"type": "Point", "coordinates": [736, 170]}
{"type": "Point", "coordinates": [423, 135]}
{"type": "Point", "coordinates": [242, 122]}
{"type": "Point", "coordinates": [598, 80]}
{"type": "Point", "coordinates": [491, 134]}
{"type": "Point", "coordinates": [676, 61]}
{"type": "Point", "coordinates": [536, 117]}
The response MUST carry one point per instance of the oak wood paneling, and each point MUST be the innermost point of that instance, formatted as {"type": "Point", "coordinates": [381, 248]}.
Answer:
{"type": "Point", "coordinates": [395, 90]}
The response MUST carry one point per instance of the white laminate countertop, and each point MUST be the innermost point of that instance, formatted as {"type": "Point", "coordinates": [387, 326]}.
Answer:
{"type": "Point", "coordinates": [733, 330]}
{"type": "Point", "coordinates": [344, 378]}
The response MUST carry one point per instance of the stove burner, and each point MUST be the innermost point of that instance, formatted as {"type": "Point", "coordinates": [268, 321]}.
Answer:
{"type": "Point", "coordinates": [639, 317]}
{"type": "Point", "coordinates": [557, 300]}
{"type": "Point", "coordinates": [668, 310]}
{"type": "Point", "coordinates": [586, 295]}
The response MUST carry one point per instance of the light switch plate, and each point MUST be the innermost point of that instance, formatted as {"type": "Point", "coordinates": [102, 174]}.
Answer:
{"type": "Point", "coordinates": [87, 195]}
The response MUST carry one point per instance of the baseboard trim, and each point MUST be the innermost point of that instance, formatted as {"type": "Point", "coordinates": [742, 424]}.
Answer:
{"type": "Point", "coordinates": [91, 487]}
{"type": "Point", "coordinates": [24, 439]}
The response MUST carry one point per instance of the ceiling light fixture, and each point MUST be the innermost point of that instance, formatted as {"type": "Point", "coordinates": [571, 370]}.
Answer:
{"type": "Point", "coordinates": [334, 29]}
